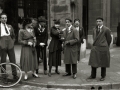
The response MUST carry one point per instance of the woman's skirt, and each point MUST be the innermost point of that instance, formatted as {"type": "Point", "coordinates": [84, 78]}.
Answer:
{"type": "Point", "coordinates": [28, 59]}
{"type": "Point", "coordinates": [55, 58]}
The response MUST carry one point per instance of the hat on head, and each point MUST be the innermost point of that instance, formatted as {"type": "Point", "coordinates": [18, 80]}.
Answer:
{"type": "Point", "coordinates": [42, 19]}
{"type": "Point", "coordinates": [56, 21]}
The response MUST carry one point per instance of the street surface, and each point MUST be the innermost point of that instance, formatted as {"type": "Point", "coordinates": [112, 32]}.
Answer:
{"type": "Point", "coordinates": [58, 81]}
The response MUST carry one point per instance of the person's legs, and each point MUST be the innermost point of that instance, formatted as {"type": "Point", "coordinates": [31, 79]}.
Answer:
{"type": "Point", "coordinates": [3, 58]}
{"type": "Point", "coordinates": [49, 74]}
{"type": "Point", "coordinates": [38, 56]}
{"type": "Point", "coordinates": [57, 70]}
{"type": "Point", "coordinates": [68, 68]}
{"type": "Point", "coordinates": [44, 60]}
{"type": "Point", "coordinates": [11, 55]}
{"type": "Point", "coordinates": [103, 72]}
{"type": "Point", "coordinates": [93, 72]}
{"type": "Point", "coordinates": [74, 68]}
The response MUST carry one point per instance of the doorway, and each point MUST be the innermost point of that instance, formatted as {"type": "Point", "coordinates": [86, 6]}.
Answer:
{"type": "Point", "coordinates": [10, 8]}
{"type": "Point", "coordinates": [85, 17]}
{"type": "Point", "coordinates": [35, 8]}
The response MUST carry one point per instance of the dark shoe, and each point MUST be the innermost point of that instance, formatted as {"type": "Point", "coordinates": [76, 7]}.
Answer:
{"type": "Point", "coordinates": [35, 75]}
{"type": "Point", "coordinates": [49, 74]}
{"type": "Point", "coordinates": [102, 79]}
{"type": "Point", "coordinates": [57, 72]}
{"type": "Point", "coordinates": [15, 77]}
{"type": "Point", "coordinates": [91, 77]}
{"type": "Point", "coordinates": [67, 74]}
{"type": "Point", "coordinates": [74, 76]}
{"type": "Point", "coordinates": [45, 72]}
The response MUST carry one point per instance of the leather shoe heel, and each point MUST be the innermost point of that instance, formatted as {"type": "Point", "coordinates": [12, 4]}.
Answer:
{"type": "Point", "coordinates": [74, 76]}
{"type": "Point", "coordinates": [102, 79]}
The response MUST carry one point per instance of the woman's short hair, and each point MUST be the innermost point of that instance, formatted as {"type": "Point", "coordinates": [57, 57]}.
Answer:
{"type": "Point", "coordinates": [26, 21]}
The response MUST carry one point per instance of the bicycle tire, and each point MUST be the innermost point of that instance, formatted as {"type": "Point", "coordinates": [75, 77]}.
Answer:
{"type": "Point", "coordinates": [20, 75]}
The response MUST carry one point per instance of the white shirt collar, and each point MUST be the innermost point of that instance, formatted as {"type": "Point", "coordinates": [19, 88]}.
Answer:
{"type": "Point", "coordinates": [100, 26]}
{"type": "Point", "coordinates": [70, 27]}
{"type": "Point", "coordinates": [3, 32]}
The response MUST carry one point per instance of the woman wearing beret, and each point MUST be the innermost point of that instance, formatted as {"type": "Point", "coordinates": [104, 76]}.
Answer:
{"type": "Point", "coordinates": [55, 48]}
{"type": "Point", "coordinates": [28, 59]}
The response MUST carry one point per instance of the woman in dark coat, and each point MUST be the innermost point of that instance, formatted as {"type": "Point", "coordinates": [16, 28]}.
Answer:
{"type": "Point", "coordinates": [55, 48]}
{"type": "Point", "coordinates": [28, 59]}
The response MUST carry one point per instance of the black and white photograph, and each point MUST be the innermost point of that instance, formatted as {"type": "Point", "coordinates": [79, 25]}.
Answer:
{"type": "Point", "coordinates": [59, 44]}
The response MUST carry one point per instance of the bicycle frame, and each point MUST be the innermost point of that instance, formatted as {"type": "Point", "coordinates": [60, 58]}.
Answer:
{"type": "Point", "coordinates": [2, 69]}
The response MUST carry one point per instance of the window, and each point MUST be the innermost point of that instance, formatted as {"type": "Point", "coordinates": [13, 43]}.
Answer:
{"type": "Point", "coordinates": [20, 3]}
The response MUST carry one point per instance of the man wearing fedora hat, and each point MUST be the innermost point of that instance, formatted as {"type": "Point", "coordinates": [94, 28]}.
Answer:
{"type": "Point", "coordinates": [42, 37]}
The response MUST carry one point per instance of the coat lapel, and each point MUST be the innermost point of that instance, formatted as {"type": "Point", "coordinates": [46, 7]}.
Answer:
{"type": "Point", "coordinates": [99, 35]}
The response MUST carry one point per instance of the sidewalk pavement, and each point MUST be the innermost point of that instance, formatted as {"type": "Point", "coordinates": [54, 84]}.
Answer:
{"type": "Point", "coordinates": [112, 80]}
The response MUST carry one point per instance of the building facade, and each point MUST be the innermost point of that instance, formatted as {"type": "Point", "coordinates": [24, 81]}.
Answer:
{"type": "Point", "coordinates": [85, 10]}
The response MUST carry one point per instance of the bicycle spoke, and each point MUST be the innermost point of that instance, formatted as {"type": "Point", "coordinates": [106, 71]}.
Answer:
{"type": "Point", "coordinates": [7, 74]}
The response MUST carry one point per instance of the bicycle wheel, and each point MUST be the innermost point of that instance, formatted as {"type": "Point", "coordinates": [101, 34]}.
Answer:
{"type": "Point", "coordinates": [6, 77]}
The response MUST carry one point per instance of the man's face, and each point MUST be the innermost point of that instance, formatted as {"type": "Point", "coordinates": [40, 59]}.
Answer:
{"type": "Point", "coordinates": [57, 25]}
{"type": "Point", "coordinates": [34, 23]}
{"type": "Point", "coordinates": [3, 19]}
{"type": "Point", "coordinates": [99, 22]}
{"type": "Point", "coordinates": [68, 23]}
{"type": "Point", "coordinates": [77, 23]}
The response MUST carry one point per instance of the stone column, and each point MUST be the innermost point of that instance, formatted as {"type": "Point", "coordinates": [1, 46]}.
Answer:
{"type": "Point", "coordinates": [79, 10]}
{"type": "Point", "coordinates": [106, 12]}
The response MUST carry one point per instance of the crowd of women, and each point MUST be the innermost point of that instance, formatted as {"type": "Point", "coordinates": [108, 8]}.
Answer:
{"type": "Point", "coordinates": [34, 36]}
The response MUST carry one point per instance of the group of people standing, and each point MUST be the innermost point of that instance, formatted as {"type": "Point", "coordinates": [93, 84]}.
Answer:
{"type": "Point", "coordinates": [34, 37]}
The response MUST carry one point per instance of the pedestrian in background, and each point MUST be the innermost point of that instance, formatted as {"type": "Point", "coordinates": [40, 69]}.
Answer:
{"type": "Point", "coordinates": [55, 47]}
{"type": "Point", "coordinates": [81, 35]}
{"type": "Point", "coordinates": [28, 59]}
{"type": "Point", "coordinates": [100, 54]}
{"type": "Point", "coordinates": [41, 34]}
{"type": "Point", "coordinates": [71, 36]}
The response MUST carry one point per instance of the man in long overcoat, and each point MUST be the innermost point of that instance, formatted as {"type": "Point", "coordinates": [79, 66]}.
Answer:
{"type": "Point", "coordinates": [71, 36]}
{"type": "Point", "coordinates": [100, 54]}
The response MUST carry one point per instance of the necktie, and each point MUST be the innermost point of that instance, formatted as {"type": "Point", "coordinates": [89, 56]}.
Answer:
{"type": "Point", "coordinates": [98, 30]}
{"type": "Point", "coordinates": [6, 29]}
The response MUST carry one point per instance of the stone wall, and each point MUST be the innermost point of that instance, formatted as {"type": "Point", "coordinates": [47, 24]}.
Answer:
{"type": "Point", "coordinates": [59, 9]}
